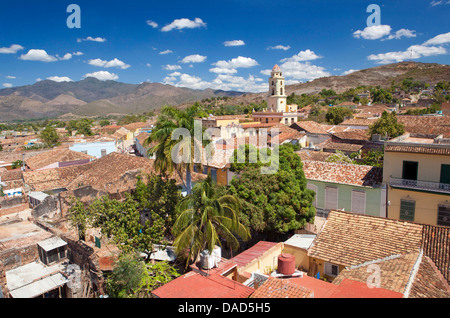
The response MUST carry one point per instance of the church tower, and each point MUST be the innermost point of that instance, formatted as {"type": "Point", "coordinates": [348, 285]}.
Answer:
{"type": "Point", "coordinates": [276, 101]}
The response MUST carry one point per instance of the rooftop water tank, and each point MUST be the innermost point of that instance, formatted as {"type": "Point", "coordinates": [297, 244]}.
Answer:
{"type": "Point", "coordinates": [286, 264]}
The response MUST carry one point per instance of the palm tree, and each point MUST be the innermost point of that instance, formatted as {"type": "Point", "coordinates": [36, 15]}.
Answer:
{"type": "Point", "coordinates": [170, 120]}
{"type": "Point", "coordinates": [204, 218]}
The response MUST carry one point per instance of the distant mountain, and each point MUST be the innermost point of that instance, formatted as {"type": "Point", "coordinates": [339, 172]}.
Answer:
{"type": "Point", "coordinates": [382, 76]}
{"type": "Point", "coordinates": [92, 97]}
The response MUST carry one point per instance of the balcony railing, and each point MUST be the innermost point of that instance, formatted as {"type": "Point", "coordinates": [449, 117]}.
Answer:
{"type": "Point", "coordinates": [420, 185]}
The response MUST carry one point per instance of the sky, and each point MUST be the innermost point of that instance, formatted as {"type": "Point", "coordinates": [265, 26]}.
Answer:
{"type": "Point", "coordinates": [227, 44]}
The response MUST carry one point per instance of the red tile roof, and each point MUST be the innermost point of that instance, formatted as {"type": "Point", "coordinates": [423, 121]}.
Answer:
{"type": "Point", "coordinates": [353, 289]}
{"type": "Point", "coordinates": [281, 288]}
{"type": "Point", "coordinates": [252, 253]}
{"type": "Point", "coordinates": [195, 285]}
{"type": "Point", "coordinates": [358, 175]}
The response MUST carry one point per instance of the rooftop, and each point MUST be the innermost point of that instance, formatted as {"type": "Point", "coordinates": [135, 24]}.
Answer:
{"type": "Point", "coordinates": [310, 127]}
{"type": "Point", "coordinates": [47, 158]}
{"type": "Point", "coordinates": [351, 239]}
{"type": "Point", "coordinates": [350, 174]}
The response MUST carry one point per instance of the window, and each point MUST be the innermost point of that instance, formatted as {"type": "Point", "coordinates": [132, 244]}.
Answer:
{"type": "Point", "coordinates": [407, 209]}
{"type": "Point", "coordinates": [103, 152]}
{"type": "Point", "coordinates": [331, 198]}
{"type": "Point", "coordinates": [358, 201]}
{"type": "Point", "coordinates": [410, 170]}
{"type": "Point", "coordinates": [331, 269]}
{"type": "Point", "coordinates": [443, 215]}
{"type": "Point", "coordinates": [84, 151]}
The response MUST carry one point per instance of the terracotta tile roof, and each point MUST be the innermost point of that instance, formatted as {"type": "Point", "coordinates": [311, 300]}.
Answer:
{"type": "Point", "coordinates": [310, 127]}
{"type": "Point", "coordinates": [354, 289]}
{"type": "Point", "coordinates": [423, 124]}
{"type": "Point", "coordinates": [134, 126]}
{"type": "Point", "coordinates": [281, 288]}
{"type": "Point", "coordinates": [108, 173]}
{"type": "Point", "coordinates": [429, 282]}
{"type": "Point", "coordinates": [352, 134]}
{"type": "Point", "coordinates": [195, 285]}
{"type": "Point", "coordinates": [395, 271]}
{"type": "Point", "coordinates": [253, 253]}
{"type": "Point", "coordinates": [357, 175]}
{"type": "Point", "coordinates": [342, 146]}
{"type": "Point", "coordinates": [351, 239]}
{"type": "Point", "coordinates": [359, 122]}
{"type": "Point", "coordinates": [436, 245]}
{"type": "Point", "coordinates": [313, 155]}
{"type": "Point", "coordinates": [53, 156]}
{"type": "Point", "coordinates": [417, 149]}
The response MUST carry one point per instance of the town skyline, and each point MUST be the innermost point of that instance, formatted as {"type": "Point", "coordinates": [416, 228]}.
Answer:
{"type": "Point", "coordinates": [202, 45]}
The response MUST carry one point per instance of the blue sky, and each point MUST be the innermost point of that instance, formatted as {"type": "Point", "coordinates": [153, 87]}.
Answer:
{"type": "Point", "coordinates": [227, 44]}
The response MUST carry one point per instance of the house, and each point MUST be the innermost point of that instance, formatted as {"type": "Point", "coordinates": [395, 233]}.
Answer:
{"type": "Point", "coordinates": [405, 255]}
{"type": "Point", "coordinates": [417, 174]}
{"type": "Point", "coordinates": [333, 147]}
{"type": "Point", "coordinates": [57, 158]}
{"type": "Point", "coordinates": [350, 187]}
{"type": "Point", "coordinates": [141, 148]}
{"type": "Point", "coordinates": [315, 132]}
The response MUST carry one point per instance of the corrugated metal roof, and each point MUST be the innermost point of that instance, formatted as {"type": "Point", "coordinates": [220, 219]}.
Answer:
{"type": "Point", "coordinates": [301, 240]}
{"type": "Point", "coordinates": [51, 243]}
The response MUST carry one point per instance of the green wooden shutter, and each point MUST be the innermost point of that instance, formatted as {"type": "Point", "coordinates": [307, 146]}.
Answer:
{"type": "Point", "coordinates": [407, 209]}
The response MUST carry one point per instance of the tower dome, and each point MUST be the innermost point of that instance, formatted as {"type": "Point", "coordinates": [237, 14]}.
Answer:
{"type": "Point", "coordinates": [276, 68]}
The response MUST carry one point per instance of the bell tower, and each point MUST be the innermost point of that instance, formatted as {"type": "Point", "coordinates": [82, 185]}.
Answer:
{"type": "Point", "coordinates": [276, 101]}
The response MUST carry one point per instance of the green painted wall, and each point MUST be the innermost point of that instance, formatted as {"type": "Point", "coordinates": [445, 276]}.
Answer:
{"type": "Point", "coordinates": [373, 196]}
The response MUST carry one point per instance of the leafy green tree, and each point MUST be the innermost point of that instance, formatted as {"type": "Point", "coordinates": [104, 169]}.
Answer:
{"type": "Point", "coordinates": [104, 122]}
{"type": "Point", "coordinates": [204, 219]}
{"type": "Point", "coordinates": [339, 157]}
{"type": "Point", "coordinates": [387, 125]}
{"type": "Point", "coordinates": [170, 121]}
{"type": "Point", "coordinates": [337, 115]}
{"type": "Point", "coordinates": [133, 278]}
{"type": "Point", "coordinates": [125, 277]}
{"type": "Point", "coordinates": [278, 202]}
{"type": "Point", "coordinates": [78, 217]}
{"type": "Point", "coordinates": [160, 196]}
{"type": "Point", "coordinates": [154, 276]}
{"type": "Point", "coordinates": [49, 136]}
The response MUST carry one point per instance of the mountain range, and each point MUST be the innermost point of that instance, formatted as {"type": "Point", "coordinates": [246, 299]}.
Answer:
{"type": "Point", "coordinates": [92, 97]}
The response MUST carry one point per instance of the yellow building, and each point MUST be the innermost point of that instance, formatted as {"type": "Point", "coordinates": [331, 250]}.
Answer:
{"type": "Point", "coordinates": [417, 173]}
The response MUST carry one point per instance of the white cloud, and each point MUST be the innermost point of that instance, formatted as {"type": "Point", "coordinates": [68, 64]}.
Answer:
{"type": "Point", "coordinates": [195, 58]}
{"type": "Point", "coordinates": [60, 79]}
{"type": "Point", "coordinates": [439, 39]}
{"type": "Point", "coordinates": [402, 33]}
{"type": "Point", "coordinates": [7, 85]}
{"type": "Point", "coordinates": [77, 53]}
{"type": "Point", "coordinates": [225, 82]}
{"type": "Point", "coordinates": [237, 62]}
{"type": "Point", "coordinates": [102, 75]}
{"type": "Point", "coordinates": [279, 47]}
{"type": "Point", "coordinates": [113, 63]}
{"type": "Point", "coordinates": [11, 50]}
{"type": "Point", "coordinates": [151, 23]}
{"type": "Point", "coordinates": [294, 70]}
{"type": "Point", "coordinates": [66, 57]}
{"type": "Point", "coordinates": [437, 3]}
{"type": "Point", "coordinates": [219, 70]}
{"type": "Point", "coordinates": [169, 67]}
{"type": "Point", "coordinates": [10, 77]}
{"type": "Point", "coordinates": [373, 32]}
{"type": "Point", "coordinates": [90, 38]}
{"type": "Point", "coordinates": [234, 43]}
{"type": "Point", "coordinates": [166, 52]}
{"type": "Point", "coordinates": [38, 55]}
{"type": "Point", "coordinates": [183, 23]}
{"type": "Point", "coordinates": [149, 65]}
{"type": "Point", "coordinates": [413, 52]}
{"type": "Point", "coordinates": [349, 72]}
{"type": "Point", "coordinates": [175, 74]}
{"type": "Point", "coordinates": [302, 56]}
